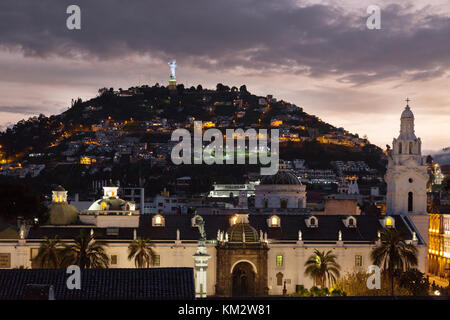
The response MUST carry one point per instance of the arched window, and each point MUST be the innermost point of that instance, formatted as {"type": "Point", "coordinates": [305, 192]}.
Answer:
{"type": "Point", "coordinates": [266, 203]}
{"type": "Point", "coordinates": [312, 222]}
{"type": "Point", "coordinates": [410, 147]}
{"type": "Point", "coordinates": [158, 221]}
{"type": "Point", "coordinates": [400, 148]}
{"type": "Point", "coordinates": [279, 279]}
{"type": "Point", "coordinates": [410, 201]}
{"type": "Point", "coordinates": [274, 221]}
{"type": "Point", "coordinates": [103, 206]}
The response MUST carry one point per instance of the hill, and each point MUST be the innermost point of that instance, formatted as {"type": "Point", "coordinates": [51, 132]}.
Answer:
{"type": "Point", "coordinates": [125, 134]}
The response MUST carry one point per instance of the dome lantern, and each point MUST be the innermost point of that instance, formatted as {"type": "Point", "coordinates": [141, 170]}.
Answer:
{"type": "Point", "coordinates": [59, 195]}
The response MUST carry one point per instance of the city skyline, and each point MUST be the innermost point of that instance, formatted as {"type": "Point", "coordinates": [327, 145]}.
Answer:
{"type": "Point", "coordinates": [315, 54]}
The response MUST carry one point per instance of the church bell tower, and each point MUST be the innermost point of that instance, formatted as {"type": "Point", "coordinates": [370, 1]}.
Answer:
{"type": "Point", "coordinates": [407, 175]}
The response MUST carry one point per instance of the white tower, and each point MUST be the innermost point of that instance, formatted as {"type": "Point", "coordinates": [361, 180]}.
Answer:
{"type": "Point", "coordinates": [172, 79]}
{"type": "Point", "coordinates": [201, 258]}
{"type": "Point", "coordinates": [407, 176]}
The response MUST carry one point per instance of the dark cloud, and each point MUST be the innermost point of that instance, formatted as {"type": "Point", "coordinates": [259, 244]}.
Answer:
{"type": "Point", "coordinates": [259, 35]}
{"type": "Point", "coordinates": [24, 110]}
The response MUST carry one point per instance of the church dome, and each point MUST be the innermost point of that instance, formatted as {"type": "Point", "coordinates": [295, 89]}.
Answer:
{"type": "Point", "coordinates": [115, 204]}
{"type": "Point", "coordinates": [281, 178]}
{"type": "Point", "coordinates": [240, 230]}
{"type": "Point", "coordinates": [407, 113]}
{"type": "Point", "coordinates": [59, 188]}
{"type": "Point", "coordinates": [62, 213]}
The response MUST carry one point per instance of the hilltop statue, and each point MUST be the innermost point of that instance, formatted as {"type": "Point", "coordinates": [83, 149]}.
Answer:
{"type": "Point", "coordinates": [200, 224]}
{"type": "Point", "coordinates": [173, 65]}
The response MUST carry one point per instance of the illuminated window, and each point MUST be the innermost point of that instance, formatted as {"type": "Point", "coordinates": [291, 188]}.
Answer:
{"type": "Point", "coordinates": [103, 206]}
{"type": "Point", "coordinates": [234, 220]}
{"type": "Point", "coordinates": [358, 261]}
{"type": "Point", "coordinates": [279, 261]}
{"type": "Point", "coordinates": [158, 221]}
{"type": "Point", "coordinates": [274, 221]}
{"type": "Point", "coordinates": [389, 222]}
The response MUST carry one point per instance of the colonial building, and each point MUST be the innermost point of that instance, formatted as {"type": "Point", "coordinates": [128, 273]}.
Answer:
{"type": "Point", "coordinates": [248, 253]}
{"type": "Point", "coordinates": [439, 242]}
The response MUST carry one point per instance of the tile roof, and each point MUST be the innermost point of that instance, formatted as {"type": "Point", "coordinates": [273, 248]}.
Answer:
{"type": "Point", "coordinates": [104, 284]}
{"type": "Point", "coordinates": [366, 229]}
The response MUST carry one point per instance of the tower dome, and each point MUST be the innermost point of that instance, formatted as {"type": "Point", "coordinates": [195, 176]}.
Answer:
{"type": "Point", "coordinates": [243, 233]}
{"type": "Point", "coordinates": [62, 213]}
{"type": "Point", "coordinates": [282, 190]}
{"type": "Point", "coordinates": [407, 113]}
{"type": "Point", "coordinates": [407, 125]}
{"type": "Point", "coordinates": [281, 178]}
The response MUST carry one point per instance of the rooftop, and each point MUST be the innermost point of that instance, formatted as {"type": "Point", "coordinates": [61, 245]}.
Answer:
{"type": "Point", "coordinates": [104, 284]}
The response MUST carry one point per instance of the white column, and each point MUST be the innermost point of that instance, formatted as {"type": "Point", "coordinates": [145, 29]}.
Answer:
{"type": "Point", "coordinates": [201, 258]}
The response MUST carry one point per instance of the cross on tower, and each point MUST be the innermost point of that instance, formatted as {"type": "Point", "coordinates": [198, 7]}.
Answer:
{"type": "Point", "coordinates": [407, 101]}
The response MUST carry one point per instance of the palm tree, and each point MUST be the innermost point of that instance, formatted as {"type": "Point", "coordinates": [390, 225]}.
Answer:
{"type": "Point", "coordinates": [142, 252]}
{"type": "Point", "coordinates": [49, 255]}
{"type": "Point", "coordinates": [322, 268]}
{"type": "Point", "coordinates": [86, 252]}
{"type": "Point", "coordinates": [394, 254]}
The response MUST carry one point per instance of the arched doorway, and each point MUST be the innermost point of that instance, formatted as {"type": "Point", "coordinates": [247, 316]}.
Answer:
{"type": "Point", "coordinates": [243, 280]}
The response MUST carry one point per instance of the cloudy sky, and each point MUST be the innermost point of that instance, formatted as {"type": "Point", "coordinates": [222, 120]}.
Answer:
{"type": "Point", "coordinates": [316, 54]}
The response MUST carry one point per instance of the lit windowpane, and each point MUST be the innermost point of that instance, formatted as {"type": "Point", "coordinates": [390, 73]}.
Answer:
{"type": "Point", "coordinates": [279, 261]}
